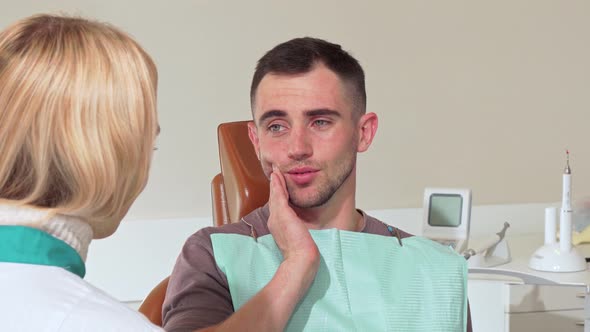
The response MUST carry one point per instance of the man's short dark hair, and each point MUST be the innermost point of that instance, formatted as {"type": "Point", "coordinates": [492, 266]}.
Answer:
{"type": "Point", "coordinates": [300, 55]}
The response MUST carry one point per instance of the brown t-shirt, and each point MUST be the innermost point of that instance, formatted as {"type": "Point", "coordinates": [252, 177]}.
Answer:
{"type": "Point", "coordinates": [198, 293]}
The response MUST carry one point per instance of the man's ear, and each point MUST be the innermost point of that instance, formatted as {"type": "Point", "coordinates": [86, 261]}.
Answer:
{"type": "Point", "coordinates": [367, 128]}
{"type": "Point", "coordinates": [253, 134]}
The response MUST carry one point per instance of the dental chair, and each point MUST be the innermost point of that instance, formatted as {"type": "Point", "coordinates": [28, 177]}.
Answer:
{"type": "Point", "coordinates": [237, 190]}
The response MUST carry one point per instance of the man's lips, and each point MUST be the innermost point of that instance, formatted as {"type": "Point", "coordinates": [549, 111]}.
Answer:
{"type": "Point", "coordinates": [302, 170]}
{"type": "Point", "coordinates": [302, 175]}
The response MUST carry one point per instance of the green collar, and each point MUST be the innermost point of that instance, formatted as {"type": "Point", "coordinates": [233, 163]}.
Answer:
{"type": "Point", "coordinates": [20, 244]}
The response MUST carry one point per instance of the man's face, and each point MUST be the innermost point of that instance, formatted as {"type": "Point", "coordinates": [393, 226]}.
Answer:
{"type": "Point", "coordinates": [304, 126]}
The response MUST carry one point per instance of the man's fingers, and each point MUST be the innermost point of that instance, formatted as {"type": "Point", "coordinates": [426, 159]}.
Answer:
{"type": "Point", "coordinates": [282, 181]}
{"type": "Point", "coordinates": [273, 183]}
{"type": "Point", "coordinates": [277, 191]}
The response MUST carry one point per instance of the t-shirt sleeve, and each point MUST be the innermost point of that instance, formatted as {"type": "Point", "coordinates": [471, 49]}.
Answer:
{"type": "Point", "coordinates": [198, 294]}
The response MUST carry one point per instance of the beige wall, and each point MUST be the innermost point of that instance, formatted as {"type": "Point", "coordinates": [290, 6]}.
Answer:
{"type": "Point", "coordinates": [478, 94]}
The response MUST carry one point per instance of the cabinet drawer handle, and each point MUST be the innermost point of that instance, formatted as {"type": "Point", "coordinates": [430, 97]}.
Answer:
{"type": "Point", "coordinates": [581, 295]}
{"type": "Point", "coordinates": [580, 323]}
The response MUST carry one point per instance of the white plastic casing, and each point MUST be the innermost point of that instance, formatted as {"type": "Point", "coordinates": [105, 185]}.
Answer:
{"type": "Point", "coordinates": [457, 236]}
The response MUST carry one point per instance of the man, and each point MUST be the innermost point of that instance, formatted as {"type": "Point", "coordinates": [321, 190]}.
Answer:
{"type": "Point", "coordinates": [309, 109]}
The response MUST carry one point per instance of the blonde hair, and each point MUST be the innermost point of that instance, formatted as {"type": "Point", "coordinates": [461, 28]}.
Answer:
{"type": "Point", "coordinates": [77, 118]}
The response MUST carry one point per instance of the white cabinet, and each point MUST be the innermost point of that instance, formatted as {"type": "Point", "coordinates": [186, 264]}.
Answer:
{"type": "Point", "coordinates": [548, 321]}
{"type": "Point", "coordinates": [486, 301]}
{"type": "Point", "coordinates": [544, 308]}
{"type": "Point", "coordinates": [512, 297]}
{"type": "Point", "coordinates": [534, 298]}
{"type": "Point", "coordinates": [500, 306]}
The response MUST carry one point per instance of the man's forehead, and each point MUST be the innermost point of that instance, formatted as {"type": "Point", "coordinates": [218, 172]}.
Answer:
{"type": "Point", "coordinates": [318, 74]}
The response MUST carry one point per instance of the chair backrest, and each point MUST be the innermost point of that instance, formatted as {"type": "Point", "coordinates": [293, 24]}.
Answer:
{"type": "Point", "coordinates": [240, 188]}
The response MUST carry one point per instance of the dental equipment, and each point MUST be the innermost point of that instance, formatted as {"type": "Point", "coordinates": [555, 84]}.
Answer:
{"type": "Point", "coordinates": [560, 256]}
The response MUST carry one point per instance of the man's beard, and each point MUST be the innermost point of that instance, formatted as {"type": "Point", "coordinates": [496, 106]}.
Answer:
{"type": "Point", "coordinates": [325, 190]}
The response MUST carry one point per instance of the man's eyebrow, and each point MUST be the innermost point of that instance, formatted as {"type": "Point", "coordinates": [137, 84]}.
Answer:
{"type": "Point", "coordinates": [311, 113]}
{"type": "Point", "coordinates": [322, 111]}
{"type": "Point", "coordinates": [272, 114]}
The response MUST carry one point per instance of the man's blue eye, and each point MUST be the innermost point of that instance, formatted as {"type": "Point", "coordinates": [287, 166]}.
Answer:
{"type": "Point", "coordinates": [321, 122]}
{"type": "Point", "coordinates": [275, 127]}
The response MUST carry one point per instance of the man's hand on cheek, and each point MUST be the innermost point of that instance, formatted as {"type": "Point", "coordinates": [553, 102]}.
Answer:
{"type": "Point", "coordinates": [288, 230]}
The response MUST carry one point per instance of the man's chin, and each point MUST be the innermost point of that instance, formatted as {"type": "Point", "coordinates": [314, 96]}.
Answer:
{"type": "Point", "coordinates": [307, 202]}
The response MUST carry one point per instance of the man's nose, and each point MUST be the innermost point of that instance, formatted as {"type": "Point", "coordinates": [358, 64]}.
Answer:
{"type": "Point", "coordinates": [300, 146]}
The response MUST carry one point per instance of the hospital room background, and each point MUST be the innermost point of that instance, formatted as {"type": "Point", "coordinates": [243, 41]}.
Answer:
{"type": "Point", "coordinates": [484, 95]}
